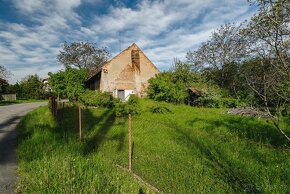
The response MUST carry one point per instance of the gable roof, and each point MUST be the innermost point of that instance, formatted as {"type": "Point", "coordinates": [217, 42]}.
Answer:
{"type": "Point", "coordinates": [115, 57]}
{"type": "Point", "coordinates": [195, 90]}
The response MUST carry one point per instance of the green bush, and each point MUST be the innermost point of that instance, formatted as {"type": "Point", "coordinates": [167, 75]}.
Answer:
{"type": "Point", "coordinates": [160, 108]}
{"type": "Point", "coordinates": [97, 98]}
{"type": "Point", "coordinates": [132, 106]}
{"type": "Point", "coordinates": [162, 88]}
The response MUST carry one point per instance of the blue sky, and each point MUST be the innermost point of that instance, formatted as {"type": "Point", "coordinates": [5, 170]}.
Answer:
{"type": "Point", "coordinates": [32, 31]}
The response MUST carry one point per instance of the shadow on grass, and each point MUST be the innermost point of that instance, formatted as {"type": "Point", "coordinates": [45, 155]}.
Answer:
{"type": "Point", "coordinates": [105, 122]}
{"type": "Point", "coordinates": [247, 128]}
{"type": "Point", "coordinates": [95, 126]}
{"type": "Point", "coordinates": [224, 168]}
{"type": "Point", "coordinates": [92, 144]}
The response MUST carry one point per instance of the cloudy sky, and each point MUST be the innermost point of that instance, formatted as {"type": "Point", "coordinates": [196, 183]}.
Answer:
{"type": "Point", "coordinates": [32, 31]}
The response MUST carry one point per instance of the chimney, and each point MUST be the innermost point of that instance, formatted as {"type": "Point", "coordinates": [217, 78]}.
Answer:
{"type": "Point", "coordinates": [135, 57]}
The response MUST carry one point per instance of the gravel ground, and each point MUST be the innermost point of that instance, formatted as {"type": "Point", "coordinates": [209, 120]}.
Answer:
{"type": "Point", "coordinates": [9, 118]}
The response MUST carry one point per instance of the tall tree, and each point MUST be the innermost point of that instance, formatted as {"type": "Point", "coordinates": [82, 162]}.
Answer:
{"type": "Point", "coordinates": [4, 73]}
{"type": "Point", "coordinates": [224, 47]}
{"type": "Point", "coordinates": [83, 55]}
{"type": "Point", "coordinates": [268, 37]}
{"type": "Point", "coordinates": [68, 83]}
{"type": "Point", "coordinates": [31, 87]}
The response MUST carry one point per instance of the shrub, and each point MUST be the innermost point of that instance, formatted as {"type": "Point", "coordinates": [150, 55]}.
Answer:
{"type": "Point", "coordinates": [160, 108]}
{"type": "Point", "coordinates": [132, 106]}
{"type": "Point", "coordinates": [162, 88]}
{"type": "Point", "coordinates": [121, 109]}
{"type": "Point", "coordinates": [97, 98]}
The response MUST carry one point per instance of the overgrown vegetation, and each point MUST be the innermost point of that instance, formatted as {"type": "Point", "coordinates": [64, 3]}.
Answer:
{"type": "Point", "coordinates": [173, 86]}
{"type": "Point", "coordinates": [97, 99]}
{"type": "Point", "coordinates": [132, 106]}
{"type": "Point", "coordinates": [51, 159]}
{"type": "Point", "coordinates": [177, 151]}
{"type": "Point", "coordinates": [249, 61]}
{"type": "Point", "coordinates": [30, 87]}
{"type": "Point", "coordinates": [68, 83]}
{"type": "Point", "coordinates": [83, 55]}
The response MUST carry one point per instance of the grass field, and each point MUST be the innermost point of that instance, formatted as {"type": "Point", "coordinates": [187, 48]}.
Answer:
{"type": "Point", "coordinates": [184, 151]}
{"type": "Point", "coordinates": [51, 160]}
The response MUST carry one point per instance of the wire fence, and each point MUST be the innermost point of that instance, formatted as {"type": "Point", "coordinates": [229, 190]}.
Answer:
{"type": "Point", "coordinates": [163, 153]}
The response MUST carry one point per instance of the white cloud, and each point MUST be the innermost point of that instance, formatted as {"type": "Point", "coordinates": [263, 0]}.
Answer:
{"type": "Point", "coordinates": [42, 71]}
{"type": "Point", "coordinates": [163, 29]}
{"type": "Point", "coordinates": [28, 6]}
{"type": "Point", "coordinates": [167, 29]}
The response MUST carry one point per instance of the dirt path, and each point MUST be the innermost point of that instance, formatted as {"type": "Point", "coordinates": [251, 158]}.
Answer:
{"type": "Point", "coordinates": [9, 118]}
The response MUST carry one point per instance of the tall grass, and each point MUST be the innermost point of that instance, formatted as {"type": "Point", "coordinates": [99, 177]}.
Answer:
{"type": "Point", "coordinates": [51, 160]}
{"type": "Point", "coordinates": [184, 150]}
{"type": "Point", "coordinates": [195, 149]}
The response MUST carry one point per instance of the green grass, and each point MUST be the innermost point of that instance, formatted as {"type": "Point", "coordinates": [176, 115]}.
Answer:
{"type": "Point", "coordinates": [190, 150]}
{"type": "Point", "coordinates": [5, 103]}
{"type": "Point", "coordinates": [51, 160]}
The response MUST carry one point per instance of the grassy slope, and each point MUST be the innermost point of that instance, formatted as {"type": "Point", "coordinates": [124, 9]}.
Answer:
{"type": "Point", "coordinates": [188, 150]}
{"type": "Point", "coordinates": [51, 160]}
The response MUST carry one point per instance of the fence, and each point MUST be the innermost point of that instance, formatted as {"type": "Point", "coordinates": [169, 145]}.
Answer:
{"type": "Point", "coordinates": [164, 154]}
{"type": "Point", "coordinates": [147, 147]}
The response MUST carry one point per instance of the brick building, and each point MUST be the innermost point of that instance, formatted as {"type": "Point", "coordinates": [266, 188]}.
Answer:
{"type": "Point", "coordinates": [125, 74]}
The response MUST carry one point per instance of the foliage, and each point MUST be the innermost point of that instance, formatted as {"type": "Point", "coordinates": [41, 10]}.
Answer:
{"type": "Point", "coordinates": [251, 60]}
{"type": "Point", "coordinates": [172, 86]}
{"type": "Point", "coordinates": [68, 83]}
{"type": "Point", "coordinates": [51, 159]}
{"type": "Point", "coordinates": [132, 106]}
{"type": "Point", "coordinates": [57, 82]}
{"type": "Point", "coordinates": [30, 87]}
{"type": "Point", "coordinates": [97, 98]}
{"type": "Point", "coordinates": [83, 55]}
{"type": "Point", "coordinates": [162, 89]}
{"type": "Point", "coordinates": [232, 154]}
{"type": "Point", "coordinates": [160, 108]}
{"type": "Point", "coordinates": [224, 47]}
{"type": "Point", "coordinates": [4, 73]}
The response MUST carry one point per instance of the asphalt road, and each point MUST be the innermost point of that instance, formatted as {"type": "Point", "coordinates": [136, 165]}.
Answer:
{"type": "Point", "coordinates": [9, 118]}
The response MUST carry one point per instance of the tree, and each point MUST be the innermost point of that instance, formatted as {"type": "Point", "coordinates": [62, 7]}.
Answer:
{"type": "Point", "coordinates": [83, 55]}
{"type": "Point", "coordinates": [31, 87]}
{"type": "Point", "coordinates": [224, 47]}
{"type": "Point", "coordinates": [255, 53]}
{"type": "Point", "coordinates": [181, 73]}
{"type": "Point", "coordinates": [268, 37]}
{"type": "Point", "coordinates": [4, 73]}
{"type": "Point", "coordinates": [58, 83]}
{"type": "Point", "coordinates": [161, 88]}
{"type": "Point", "coordinates": [172, 86]}
{"type": "Point", "coordinates": [68, 83]}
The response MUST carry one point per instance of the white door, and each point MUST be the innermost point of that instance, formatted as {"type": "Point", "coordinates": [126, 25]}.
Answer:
{"type": "Point", "coordinates": [121, 94]}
